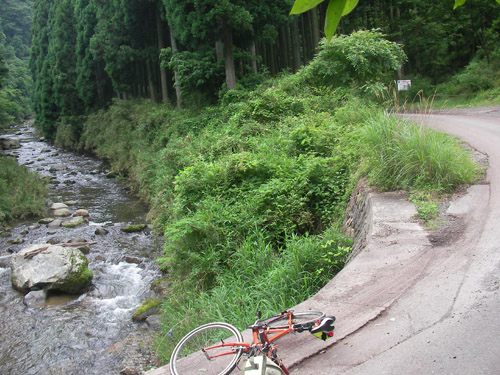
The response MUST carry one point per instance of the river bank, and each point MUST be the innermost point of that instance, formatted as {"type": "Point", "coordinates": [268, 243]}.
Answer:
{"type": "Point", "coordinates": [92, 333]}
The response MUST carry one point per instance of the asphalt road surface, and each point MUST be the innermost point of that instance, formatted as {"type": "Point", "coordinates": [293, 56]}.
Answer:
{"type": "Point", "coordinates": [448, 321]}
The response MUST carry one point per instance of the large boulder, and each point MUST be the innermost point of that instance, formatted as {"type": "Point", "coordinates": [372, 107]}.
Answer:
{"type": "Point", "coordinates": [56, 268]}
{"type": "Point", "coordinates": [9, 144]}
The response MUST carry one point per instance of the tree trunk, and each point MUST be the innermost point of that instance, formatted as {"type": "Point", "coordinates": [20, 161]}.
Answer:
{"type": "Point", "coordinates": [161, 45]}
{"type": "Point", "coordinates": [254, 58]}
{"type": "Point", "coordinates": [283, 50]}
{"type": "Point", "coordinates": [151, 86]}
{"type": "Point", "coordinates": [219, 50]}
{"type": "Point", "coordinates": [228, 56]}
{"type": "Point", "coordinates": [294, 29]}
{"type": "Point", "coordinates": [315, 28]}
{"type": "Point", "coordinates": [173, 45]}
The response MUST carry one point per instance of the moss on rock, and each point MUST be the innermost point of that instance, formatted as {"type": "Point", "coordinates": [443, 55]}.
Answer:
{"type": "Point", "coordinates": [80, 279]}
{"type": "Point", "coordinates": [133, 228]}
{"type": "Point", "coordinates": [147, 308]}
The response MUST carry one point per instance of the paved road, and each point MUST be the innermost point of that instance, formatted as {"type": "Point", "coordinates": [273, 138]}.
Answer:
{"type": "Point", "coordinates": [448, 321]}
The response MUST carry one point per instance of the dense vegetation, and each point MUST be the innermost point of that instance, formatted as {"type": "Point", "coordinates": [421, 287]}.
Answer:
{"type": "Point", "coordinates": [22, 193]}
{"type": "Point", "coordinates": [250, 192]}
{"type": "Point", "coordinates": [16, 84]}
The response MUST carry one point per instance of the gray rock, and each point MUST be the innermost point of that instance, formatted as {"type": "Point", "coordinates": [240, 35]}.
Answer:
{"type": "Point", "coordinates": [9, 144]}
{"type": "Point", "coordinates": [58, 167]}
{"type": "Point", "coordinates": [132, 260]}
{"type": "Point", "coordinates": [154, 321]}
{"type": "Point", "coordinates": [62, 212]}
{"type": "Point", "coordinates": [55, 223]}
{"type": "Point", "coordinates": [101, 230]}
{"type": "Point", "coordinates": [58, 206]}
{"type": "Point", "coordinates": [35, 298]}
{"type": "Point", "coordinates": [81, 212]}
{"type": "Point", "coordinates": [46, 220]}
{"type": "Point", "coordinates": [5, 260]}
{"type": "Point", "coordinates": [73, 222]}
{"type": "Point", "coordinates": [84, 249]}
{"type": "Point", "coordinates": [16, 241]}
{"type": "Point", "coordinates": [56, 268]}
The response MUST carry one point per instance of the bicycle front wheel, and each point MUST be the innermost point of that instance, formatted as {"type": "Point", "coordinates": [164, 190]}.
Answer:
{"type": "Point", "coordinates": [207, 350]}
{"type": "Point", "coordinates": [281, 321]}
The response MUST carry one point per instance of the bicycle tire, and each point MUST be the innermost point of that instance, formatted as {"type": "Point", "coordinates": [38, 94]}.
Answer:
{"type": "Point", "coordinates": [188, 357]}
{"type": "Point", "coordinates": [281, 321]}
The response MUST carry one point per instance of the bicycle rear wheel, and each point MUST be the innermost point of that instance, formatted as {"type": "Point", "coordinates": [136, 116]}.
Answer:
{"type": "Point", "coordinates": [281, 321]}
{"type": "Point", "coordinates": [191, 355]}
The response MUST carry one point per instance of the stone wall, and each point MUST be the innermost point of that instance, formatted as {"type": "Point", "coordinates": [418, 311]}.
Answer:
{"type": "Point", "coordinates": [357, 223]}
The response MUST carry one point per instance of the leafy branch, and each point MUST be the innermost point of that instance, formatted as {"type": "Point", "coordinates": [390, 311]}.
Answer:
{"type": "Point", "coordinates": [336, 10]}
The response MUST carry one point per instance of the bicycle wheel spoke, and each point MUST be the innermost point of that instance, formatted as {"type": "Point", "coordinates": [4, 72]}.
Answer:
{"type": "Point", "coordinates": [207, 351]}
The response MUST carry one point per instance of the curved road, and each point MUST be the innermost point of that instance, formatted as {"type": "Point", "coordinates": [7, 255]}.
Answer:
{"type": "Point", "coordinates": [448, 321]}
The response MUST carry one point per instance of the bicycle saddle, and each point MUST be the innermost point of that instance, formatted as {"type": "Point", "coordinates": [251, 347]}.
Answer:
{"type": "Point", "coordinates": [325, 325]}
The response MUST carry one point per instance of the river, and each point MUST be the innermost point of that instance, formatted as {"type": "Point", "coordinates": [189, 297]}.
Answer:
{"type": "Point", "coordinates": [92, 333]}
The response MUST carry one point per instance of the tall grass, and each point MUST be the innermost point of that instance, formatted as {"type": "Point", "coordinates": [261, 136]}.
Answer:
{"type": "Point", "coordinates": [260, 279]}
{"type": "Point", "coordinates": [405, 155]}
{"type": "Point", "coordinates": [22, 193]}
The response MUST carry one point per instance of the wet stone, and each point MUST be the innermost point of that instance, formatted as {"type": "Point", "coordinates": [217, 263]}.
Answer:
{"type": "Point", "coordinates": [133, 228]}
{"type": "Point", "coordinates": [16, 241]}
{"type": "Point", "coordinates": [101, 231]}
{"type": "Point", "coordinates": [62, 212]}
{"type": "Point", "coordinates": [46, 220]}
{"type": "Point", "coordinates": [81, 212]}
{"type": "Point", "coordinates": [58, 206]}
{"type": "Point", "coordinates": [132, 260]}
{"type": "Point", "coordinates": [35, 298]}
{"type": "Point", "coordinates": [73, 222]}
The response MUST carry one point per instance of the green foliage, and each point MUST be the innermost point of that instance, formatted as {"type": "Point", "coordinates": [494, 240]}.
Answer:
{"type": "Point", "coordinates": [427, 206]}
{"type": "Point", "coordinates": [197, 71]}
{"type": "Point", "coordinates": [402, 155]}
{"type": "Point", "coordinates": [477, 76]}
{"type": "Point", "coordinates": [260, 279]}
{"type": "Point", "coordinates": [336, 9]}
{"type": "Point", "coordinates": [15, 81]}
{"type": "Point", "coordinates": [22, 193]}
{"type": "Point", "coordinates": [362, 58]}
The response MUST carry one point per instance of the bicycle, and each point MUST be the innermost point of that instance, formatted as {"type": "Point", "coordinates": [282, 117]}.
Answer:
{"type": "Point", "coordinates": [216, 348]}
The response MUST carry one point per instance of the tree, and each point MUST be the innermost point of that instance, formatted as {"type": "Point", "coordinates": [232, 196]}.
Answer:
{"type": "Point", "coordinates": [208, 20]}
{"type": "Point", "coordinates": [3, 71]}
{"type": "Point", "coordinates": [15, 39]}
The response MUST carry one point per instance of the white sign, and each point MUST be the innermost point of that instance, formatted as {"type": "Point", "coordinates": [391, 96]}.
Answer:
{"type": "Point", "coordinates": [404, 84]}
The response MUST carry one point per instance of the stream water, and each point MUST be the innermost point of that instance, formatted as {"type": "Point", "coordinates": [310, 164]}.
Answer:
{"type": "Point", "coordinates": [92, 333]}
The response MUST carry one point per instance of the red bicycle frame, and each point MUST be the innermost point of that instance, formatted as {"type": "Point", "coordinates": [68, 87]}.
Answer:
{"type": "Point", "coordinates": [261, 340]}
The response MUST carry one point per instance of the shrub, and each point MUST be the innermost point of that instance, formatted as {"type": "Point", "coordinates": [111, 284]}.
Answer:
{"type": "Point", "coordinates": [361, 58]}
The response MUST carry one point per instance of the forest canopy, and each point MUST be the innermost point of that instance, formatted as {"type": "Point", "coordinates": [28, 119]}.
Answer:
{"type": "Point", "coordinates": [186, 52]}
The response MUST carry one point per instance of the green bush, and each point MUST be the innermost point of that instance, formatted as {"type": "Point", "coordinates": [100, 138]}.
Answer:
{"type": "Point", "coordinates": [359, 59]}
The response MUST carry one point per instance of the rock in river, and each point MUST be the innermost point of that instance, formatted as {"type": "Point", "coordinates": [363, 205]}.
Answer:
{"type": "Point", "coordinates": [58, 268]}
{"type": "Point", "coordinates": [133, 228]}
{"type": "Point", "coordinates": [61, 212]}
